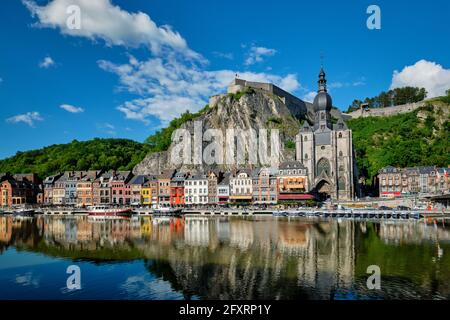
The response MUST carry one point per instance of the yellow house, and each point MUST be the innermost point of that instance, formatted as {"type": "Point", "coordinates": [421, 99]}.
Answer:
{"type": "Point", "coordinates": [149, 192]}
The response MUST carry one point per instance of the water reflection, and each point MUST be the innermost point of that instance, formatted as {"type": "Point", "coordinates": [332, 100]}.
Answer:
{"type": "Point", "coordinates": [250, 258]}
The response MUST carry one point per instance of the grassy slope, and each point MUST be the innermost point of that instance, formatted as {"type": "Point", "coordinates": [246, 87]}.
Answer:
{"type": "Point", "coordinates": [416, 138]}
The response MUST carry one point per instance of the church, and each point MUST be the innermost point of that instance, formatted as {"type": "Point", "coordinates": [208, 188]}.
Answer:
{"type": "Point", "coordinates": [326, 150]}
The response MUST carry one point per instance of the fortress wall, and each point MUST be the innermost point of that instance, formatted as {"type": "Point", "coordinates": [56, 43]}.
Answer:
{"type": "Point", "coordinates": [385, 112]}
{"type": "Point", "coordinates": [294, 104]}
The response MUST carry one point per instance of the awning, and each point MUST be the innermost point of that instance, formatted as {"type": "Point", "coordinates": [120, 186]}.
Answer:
{"type": "Point", "coordinates": [296, 196]}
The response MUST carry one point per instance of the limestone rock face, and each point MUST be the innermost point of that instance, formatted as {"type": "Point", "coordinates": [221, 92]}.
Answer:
{"type": "Point", "coordinates": [153, 163]}
{"type": "Point", "coordinates": [251, 109]}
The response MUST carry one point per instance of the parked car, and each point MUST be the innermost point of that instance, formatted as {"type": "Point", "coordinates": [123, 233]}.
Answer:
{"type": "Point", "coordinates": [403, 208]}
{"type": "Point", "coordinates": [384, 208]}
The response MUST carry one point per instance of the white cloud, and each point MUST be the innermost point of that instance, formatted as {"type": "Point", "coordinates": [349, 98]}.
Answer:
{"type": "Point", "coordinates": [71, 109]}
{"type": "Point", "coordinates": [338, 84]}
{"type": "Point", "coordinates": [424, 74]}
{"type": "Point", "coordinates": [27, 118]}
{"type": "Point", "coordinates": [309, 97]}
{"type": "Point", "coordinates": [100, 19]}
{"type": "Point", "coordinates": [257, 54]}
{"type": "Point", "coordinates": [167, 87]}
{"type": "Point", "coordinates": [107, 128]}
{"type": "Point", "coordinates": [47, 62]}
{"type": "Point", "coordinates": [174, 79]}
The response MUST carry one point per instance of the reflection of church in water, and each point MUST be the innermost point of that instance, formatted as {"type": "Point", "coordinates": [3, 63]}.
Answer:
{"type": "Point", "coordinates": [258, 260]}
{"type": "Point", "coordinates": [326, 149]}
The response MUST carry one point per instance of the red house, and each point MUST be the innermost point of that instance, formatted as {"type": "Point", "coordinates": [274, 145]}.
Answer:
{"type": "Point", "coordinates": [177, 189]}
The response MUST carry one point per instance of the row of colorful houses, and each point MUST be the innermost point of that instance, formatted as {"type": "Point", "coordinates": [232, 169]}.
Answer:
{"type": "Point", "coordinates": [172, 188]}
{"type": "Point", "coordinates": [397, 182]}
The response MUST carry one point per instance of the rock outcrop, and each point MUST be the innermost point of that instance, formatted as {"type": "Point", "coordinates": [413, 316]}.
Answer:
{"type": "Point", "coordinates": [250, 109]}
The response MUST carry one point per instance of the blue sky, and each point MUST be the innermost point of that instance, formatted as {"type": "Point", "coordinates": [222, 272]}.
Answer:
{"type": "Point", "coordinates": [125, 74]}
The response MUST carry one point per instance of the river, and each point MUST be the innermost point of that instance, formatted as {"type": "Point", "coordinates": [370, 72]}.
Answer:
{"type": "Point", "coordinates": [222, 258]}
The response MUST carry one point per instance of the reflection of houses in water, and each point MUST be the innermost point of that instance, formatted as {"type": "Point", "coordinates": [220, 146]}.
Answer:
{"type": "Point", "coordinates": [283, 257]}
{"type": "Point", "coordinates": [5, 229]}
{"type": "Point", "coordinates": [411, 232]}
{"type": "Point", "coordinates": [325, 251]}
{"type": "Point", "coordinates": [196, 231]}
{"type": "Point", "coordinates": [146, 227]}
{"type": "Point", "coordinates": [161, 230]}
{"type": "Point", "coordinates": [135, 228]}
{"type": "Point", "coordinates": [55, 229]}
{"type": "Point", "coordinates": [293, 236]}
{"type": "Point", "coordinates": [223, 230]}
{"type": "Point", "coordinates": [241, 234]}
{"type": "Point", "coordinates": [111, 231]}
{"type": "Point", "coordinates": [84, 230]}
{"type": "Point", "coordinates": [71, 230]}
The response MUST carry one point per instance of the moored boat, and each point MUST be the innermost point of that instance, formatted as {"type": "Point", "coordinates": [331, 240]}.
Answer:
{"type": "Point", "coordinates": [106, 211]}
{"type": "Point", "coordinates": [166, 211]}
{"type": "Point", "coordinates": [22, 212]}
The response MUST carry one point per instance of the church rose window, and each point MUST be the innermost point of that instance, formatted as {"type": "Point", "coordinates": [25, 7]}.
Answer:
{"type": "Point", "coordinates": [323, 165]}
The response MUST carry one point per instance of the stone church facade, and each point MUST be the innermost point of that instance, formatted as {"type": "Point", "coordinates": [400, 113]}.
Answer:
{"type": "Point", "coordinates": [326, 150]}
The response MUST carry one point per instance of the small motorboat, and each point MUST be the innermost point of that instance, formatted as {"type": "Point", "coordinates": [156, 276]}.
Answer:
{"type": "Point", "coordinates": [166, 211]}
{"type": "Point", "coordinates": [106, 211]}
{"type": "Point", "coordinates": [22, 212]}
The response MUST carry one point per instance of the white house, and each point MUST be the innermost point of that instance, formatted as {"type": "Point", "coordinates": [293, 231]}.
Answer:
{"type": "Point", "coordinates": [196, 189]}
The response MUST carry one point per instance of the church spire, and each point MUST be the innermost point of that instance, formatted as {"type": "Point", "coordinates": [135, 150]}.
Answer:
{"type": "Point", "coordinates": [322, 81]}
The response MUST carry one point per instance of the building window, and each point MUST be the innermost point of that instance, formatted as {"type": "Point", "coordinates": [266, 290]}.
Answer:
{"type": "Point", "coordinates": [341, 183]}
{"type": "Point", "coordinates": [340, 134]}
{"type": "Point", "coordinates": [306, 156]}
{"type": "Point", "coordinates": [323, 165]}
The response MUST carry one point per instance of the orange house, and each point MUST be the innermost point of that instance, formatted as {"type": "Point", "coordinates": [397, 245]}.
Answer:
{"type": "Point", "coordinates": [14, 192]}
{"type": "Point", "coordinates": [85, 188]}
{"type": "Point", "coordinates": [177, 190]}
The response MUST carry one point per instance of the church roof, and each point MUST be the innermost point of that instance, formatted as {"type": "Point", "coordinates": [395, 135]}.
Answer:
{"type": "Point", "coordinates": [322, 101]}
{"type": "Point", "coordinates": [340, 125]}
{"type": "Point", "coordinates": [305, 126]}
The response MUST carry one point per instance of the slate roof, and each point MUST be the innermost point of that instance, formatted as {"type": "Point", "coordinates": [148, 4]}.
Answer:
{"type": "Point", "coordinates": [291, 165]}
{"type": "Point", "coordinates": [138, 180]}
{"type": "Point", "coordinates": [225, 179]}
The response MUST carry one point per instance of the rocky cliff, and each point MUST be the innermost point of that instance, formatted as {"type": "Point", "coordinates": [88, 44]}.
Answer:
{"type": "Point", "coordinates": [250, 109]}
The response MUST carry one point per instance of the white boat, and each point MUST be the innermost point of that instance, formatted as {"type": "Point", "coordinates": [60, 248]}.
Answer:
{"type": "Point", "coordinates": [106, 211]}
{"type": "Point", "coordinates": [22, 211]}
{"type": "Point", "coordinates": [166, 211]}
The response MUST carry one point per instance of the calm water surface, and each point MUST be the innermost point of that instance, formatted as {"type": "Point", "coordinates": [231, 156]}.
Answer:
{"type": "Point", "coordinates": [222, 258]}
